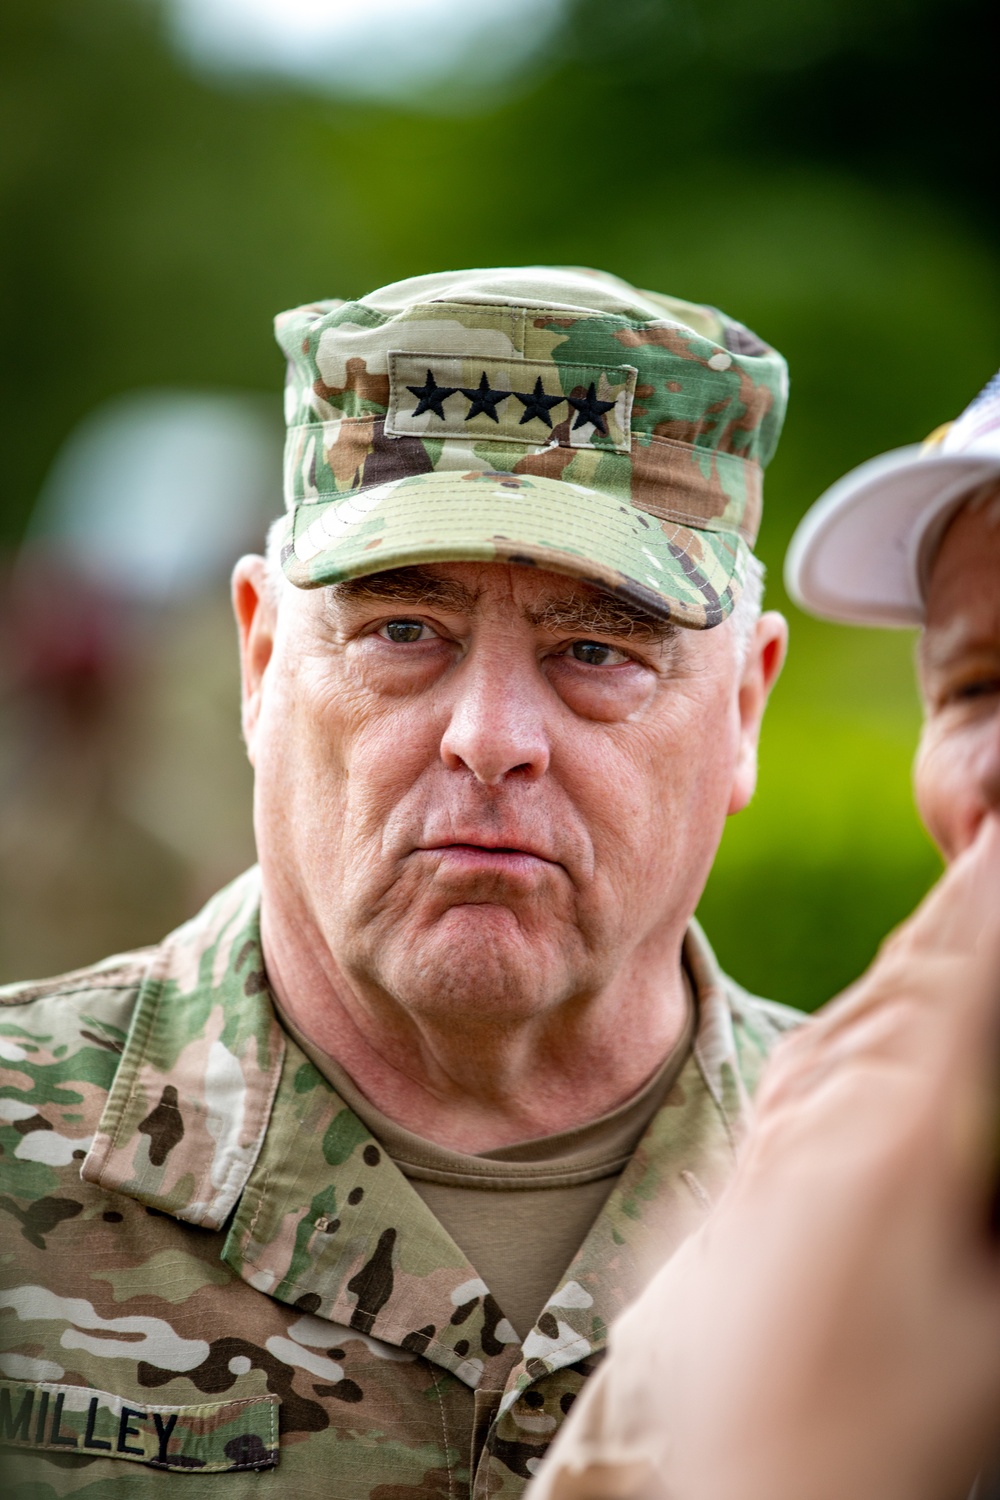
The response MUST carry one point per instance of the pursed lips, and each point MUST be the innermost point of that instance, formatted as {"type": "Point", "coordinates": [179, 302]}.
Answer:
{"type": "Point", "coordinates": [487, 855]}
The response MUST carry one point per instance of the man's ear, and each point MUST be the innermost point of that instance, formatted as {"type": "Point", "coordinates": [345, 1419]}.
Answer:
{"type": "Point", "coordinates": [765, 658]}
{"type": "Point", "coordinates": [256, 618]}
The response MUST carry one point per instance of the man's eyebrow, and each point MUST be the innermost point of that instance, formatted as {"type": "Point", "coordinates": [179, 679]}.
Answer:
{"type": "Point", "coordinates": [602, 614]}
{"type": "Point", "coordinates": [412, 585]}
{"type": "Point", "coordinates": [594, 613]}
{"type": "Point", "coordinates": [939, 647]}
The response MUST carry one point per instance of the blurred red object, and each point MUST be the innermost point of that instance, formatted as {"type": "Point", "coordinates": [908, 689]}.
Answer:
{"type": "Point", "coordinates": [66, 640]}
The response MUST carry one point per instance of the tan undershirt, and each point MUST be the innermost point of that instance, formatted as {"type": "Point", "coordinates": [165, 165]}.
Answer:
{"type": "Point", "coordinates": [519, 1213]}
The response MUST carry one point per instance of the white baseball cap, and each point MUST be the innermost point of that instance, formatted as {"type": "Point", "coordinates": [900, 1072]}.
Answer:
{"type": "Point", "coordinates": [862, 554]}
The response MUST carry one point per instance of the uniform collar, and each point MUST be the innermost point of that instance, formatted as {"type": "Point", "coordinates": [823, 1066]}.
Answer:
{"type": "Point", "coordinates": [215, 1108]}
{"type": "Point", "coordinates": [192, 1097]}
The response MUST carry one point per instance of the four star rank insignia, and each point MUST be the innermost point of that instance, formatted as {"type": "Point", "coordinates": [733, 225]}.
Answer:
{"type": "Point", "coordinates": [509, 400]}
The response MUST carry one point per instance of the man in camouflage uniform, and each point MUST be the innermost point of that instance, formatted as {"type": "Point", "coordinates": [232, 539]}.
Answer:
{"type": "Point", "coordinates": [500, 692]}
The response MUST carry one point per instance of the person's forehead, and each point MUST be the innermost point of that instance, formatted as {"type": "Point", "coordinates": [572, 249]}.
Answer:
{"type": "Point", "coordinates": [963, 593]}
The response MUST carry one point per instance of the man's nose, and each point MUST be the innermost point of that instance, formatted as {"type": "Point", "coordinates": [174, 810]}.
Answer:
{"type": "Point", "coordinates": [497, 724]}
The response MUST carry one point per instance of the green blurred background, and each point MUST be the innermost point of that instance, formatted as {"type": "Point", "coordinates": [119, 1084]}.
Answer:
{"type": "Point", "coordinates": [823, 171]}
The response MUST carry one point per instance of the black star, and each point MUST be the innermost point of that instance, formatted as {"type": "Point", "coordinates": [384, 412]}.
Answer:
{"type": "Point", "coordinates": [537, 404]}
{"type": "Point", "coordinates": [431, 396]}
{"type": "Point", "coordinates": [589, 409]}
{"type": "Point", "coordinates": [484, 399]}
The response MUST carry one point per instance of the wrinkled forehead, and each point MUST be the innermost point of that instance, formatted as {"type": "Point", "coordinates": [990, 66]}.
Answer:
{"type": "Point", "coordinates": [963, 588]}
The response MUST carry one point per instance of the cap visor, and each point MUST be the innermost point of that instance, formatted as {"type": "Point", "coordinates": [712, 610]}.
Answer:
{"type": "Point", "coordinates": [692, 577]}
{"type": "Point", "coordinates": [856, 555]}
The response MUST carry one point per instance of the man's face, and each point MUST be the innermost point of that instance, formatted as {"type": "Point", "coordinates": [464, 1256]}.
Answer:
{"type": "Point", "coordinates": [489, 785]}
{"type": "Point", "coordinates": [957, 774]}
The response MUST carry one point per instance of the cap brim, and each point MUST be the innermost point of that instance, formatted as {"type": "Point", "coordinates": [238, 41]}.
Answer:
{"type": "Point", "coordinates": [692, 577]}
{"type": "Point", "coordinates": [858, 555]}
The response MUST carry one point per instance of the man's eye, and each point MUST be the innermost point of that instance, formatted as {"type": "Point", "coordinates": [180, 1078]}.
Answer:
{"type": "Point", "coordinates": [977, 687]}
{"type": "Point", "coordinates": [402, 632]}
{"type": "Point", "coordinates": [596, 654]}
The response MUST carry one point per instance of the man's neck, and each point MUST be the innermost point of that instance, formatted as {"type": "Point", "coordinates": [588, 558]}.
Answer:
{"type": "Point", "coordinates": [476, 1086]}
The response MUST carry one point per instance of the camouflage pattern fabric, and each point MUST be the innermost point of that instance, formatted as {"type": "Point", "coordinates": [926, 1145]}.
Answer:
{"type": "Point", "coordinates": [557, 418]}
{"type": "Point", "coordinates": [211, 1268]}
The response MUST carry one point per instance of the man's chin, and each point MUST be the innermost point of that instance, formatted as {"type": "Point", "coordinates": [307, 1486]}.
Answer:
{"type": "Point", "coordinates": [476, 959]}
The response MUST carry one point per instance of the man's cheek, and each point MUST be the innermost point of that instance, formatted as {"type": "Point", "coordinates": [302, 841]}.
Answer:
{"type": "Point", "coordinates": [942, 788]}
{"type": "Point", "coordinates": [635, 857]}
{"type": "Point", "coordinates": [385, 745]}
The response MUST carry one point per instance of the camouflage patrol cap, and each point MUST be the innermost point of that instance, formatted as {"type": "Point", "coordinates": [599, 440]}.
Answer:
{"type": "Point", "coordinates": [549, 416]}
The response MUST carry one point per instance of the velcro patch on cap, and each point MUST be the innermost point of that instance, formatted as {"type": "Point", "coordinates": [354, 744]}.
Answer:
{"type": "Point", "coordinates": [534, 402]}
{"type": "Point", "coordinates": [211, 1437]}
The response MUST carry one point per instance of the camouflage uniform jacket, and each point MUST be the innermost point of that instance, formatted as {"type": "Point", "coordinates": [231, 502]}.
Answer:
{"type": "Point", "coordinates": [213, 1277]}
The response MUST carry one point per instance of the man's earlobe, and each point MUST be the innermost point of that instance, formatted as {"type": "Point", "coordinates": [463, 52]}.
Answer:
{"type": "Point", "coordinates": [254, 608]}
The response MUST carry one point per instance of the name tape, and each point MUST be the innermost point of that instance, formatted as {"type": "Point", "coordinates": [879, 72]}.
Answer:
{"type": "Point", "coordinates": [211, 1437]}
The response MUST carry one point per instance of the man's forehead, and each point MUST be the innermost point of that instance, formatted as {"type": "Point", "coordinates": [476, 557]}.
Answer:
{"type": "Point", "coordinates": [542, 597]}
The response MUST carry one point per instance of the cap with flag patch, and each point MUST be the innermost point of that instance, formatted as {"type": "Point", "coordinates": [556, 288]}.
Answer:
{"type": "Point", "coordinates": [862, 554]}
{"type": "Point", "coordinates": [558, 418]}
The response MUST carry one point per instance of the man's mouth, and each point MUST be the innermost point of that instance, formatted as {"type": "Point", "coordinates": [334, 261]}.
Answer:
{"type": "Point", "coordinates": [462, 855]}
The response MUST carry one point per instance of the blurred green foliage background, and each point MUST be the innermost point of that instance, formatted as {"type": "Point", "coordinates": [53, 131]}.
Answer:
{"type": "Point", "coordinates": [823, 171]}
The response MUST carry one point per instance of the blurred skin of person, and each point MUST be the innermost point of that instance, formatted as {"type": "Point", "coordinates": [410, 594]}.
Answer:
{"type": "Point", "coordinates": [338, 1189]}
{"type": "Point", "coordinates": [834, 1329]}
